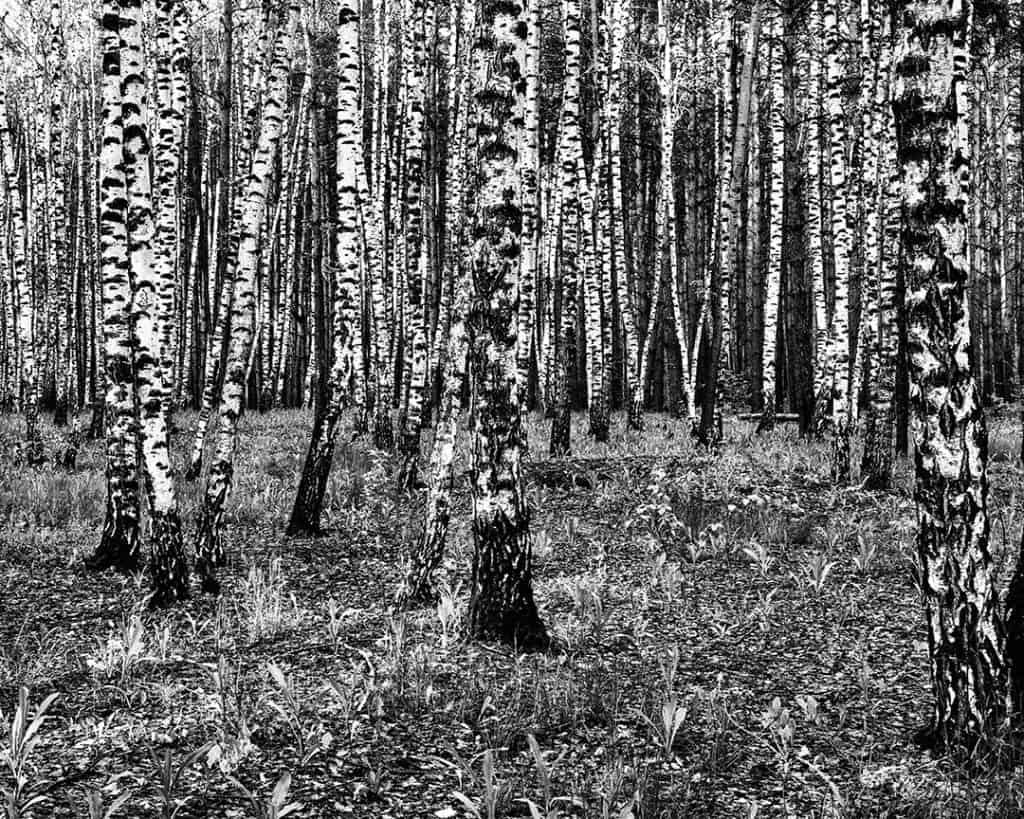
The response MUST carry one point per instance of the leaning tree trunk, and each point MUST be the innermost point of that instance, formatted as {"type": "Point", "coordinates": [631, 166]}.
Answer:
{"type": "Point", "coordinates": [309, 499]}
{"type": "Point", "coordinates": [501, 603]}
{"type": "Point", "coordinates": [417, 584]}
{"type": "Point", "coordinates": [965, 630]}
{"type": "Point", "coordinates": [167, 562]}
{"type": "Point", "coordinates": [119, 542]}
{"type": "Point", "coordinates": [209, 544]}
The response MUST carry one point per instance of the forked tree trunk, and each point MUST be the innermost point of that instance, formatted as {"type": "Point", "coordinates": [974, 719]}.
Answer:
{"type": "Point", "coordinates": [167, 560]}
{"type": "Point", "coordinates": [501, 603]}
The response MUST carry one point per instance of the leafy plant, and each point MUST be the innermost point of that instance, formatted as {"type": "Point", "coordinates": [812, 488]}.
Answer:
{"type": "Point", "coordinates": [447, 614]}
{"type": "Point", "coordinates": [121, 652]}
{"type": "Point", "coordinates": [494, 792]}
{"type": "Point", "coordinates": [549, 808]}
{"type": "Point", "coordinates": [866, 551]}
{"type": "Point", "coordinates": [265, 604]}
{"type": "Point", "coordinates": [22, 738]}
{"type": "Point", "coordinates": [759, 556]}
{"type": "Point", "coordinates": [168, 776]}
{"type": "Point", "coordinates": [815, 573]}
{"type": "Point", "coordinates": [309, 740]}
{"type": "Point", "coordinates": [665, 726]}
{"type": "Point", "coordinates": [543, 545]}
{"type": "Point", "coordinates": [334, 620]}
{"type": "Point", "coordinates": [669, 664]}
{"type": "Point", "coordinates": [94, 804]}
{"type": "Point", "coordinates": [278, 806]}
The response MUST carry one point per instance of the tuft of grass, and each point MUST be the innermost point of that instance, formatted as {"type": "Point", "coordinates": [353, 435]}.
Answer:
{"type": "Point", "coordinates": [267, 610]}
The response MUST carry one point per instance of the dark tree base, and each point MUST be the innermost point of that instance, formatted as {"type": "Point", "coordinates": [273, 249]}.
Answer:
{"type": "Point", "coordinates": [194, 470]}
{"type": "Point", "coordinates": [101, 560]}
{"type": "Point", "coordinates": [600, 426]}
{"type": "Point", "coordinates": [1015, 634]}
{"type": "Point", "coordinates": [95, 431]}
{"type": "Point", "coordinates": [119, 546]}
{"type": "Point", "coordinates": [60, 413]}
{"type": "Point", "coordinates": [636, 416]}
{"type": "Point", "coordinates": [207, 577]}
{"type": "Point", "coordinates": [383, 433]}
{"type": "Point", "coordinates": [304, 529]}
{"type": "Point", "coordinates": [525, 633]}
{"type": "Point", "coordinates": [209, 545]}
{"type": "Point", "coordinates": [501, 605]}
{"type": "Point", "coordinates": [421, 596]}
{"type": "Point", "coordinates": [841, 456]}
{"type": "Point", "coordinates": [408, 476]}
{"type": "Point", "coordinates": [167, 560]}
{"type": "Point", "coordinates": [560, 435]}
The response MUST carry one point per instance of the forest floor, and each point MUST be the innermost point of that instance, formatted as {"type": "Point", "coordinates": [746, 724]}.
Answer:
{"type": "Point", "coordinates": [734, 638]}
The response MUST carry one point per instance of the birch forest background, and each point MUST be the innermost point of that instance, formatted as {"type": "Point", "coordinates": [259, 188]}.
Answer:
{"type": "Point", "coordinates": [495, 408]}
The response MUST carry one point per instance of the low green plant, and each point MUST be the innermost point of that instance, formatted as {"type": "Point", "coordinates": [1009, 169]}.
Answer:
{"type": "Point", "coordinates": [666, 724]}
{"type": "Point", "coordinates": [309, 739]}
{"type": "Point", "coordinates": [268, 611]}
{"type": "Point", "coordinates": [867, 548]}
{"type": "Point", "coordinates": [22, 737]}
{"type": "Point", "coordinates": [277, 806]}
{"type": "Point", "coordinates": [118, 655]}
{"type": "Point", "coordinates": [814, 574]}
{"type": "Point", "coordinates": [167, 778]}
{"type": "Point", "coordinates": [448, 614]}
{"type": "Point", "coordinates": [543, 546]}
{"type": "Point", "coordinates": [97, 810]}
{"type": "Point", "coordinates": [758, 554]}
{"type": "Point", "coordinates": [548, 807]}
{"type": "Point", "coordinates": [494, 791]}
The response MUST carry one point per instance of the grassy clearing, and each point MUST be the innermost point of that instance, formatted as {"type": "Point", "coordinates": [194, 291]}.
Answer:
{"type": "Point", "coordinates": [736, 638]}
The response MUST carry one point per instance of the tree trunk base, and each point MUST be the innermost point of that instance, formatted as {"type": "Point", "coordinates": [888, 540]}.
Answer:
{"type": "Point", "coordinates": [636, 416]}
{"type": "Point", "coordinates": [194, 470]}
{"type": "Point", "coordinates": [383, 432]}
{"type": "Point", "coordinates": [60, 412]}
{"type": "Point", "coordinates": [560, 435]}
{"type": "Point", "coordinates": [119, 546]}
{"type": "Point", "coordinates": [95, 431]}
{"type": "Point", "coordinates": [167, 560]}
